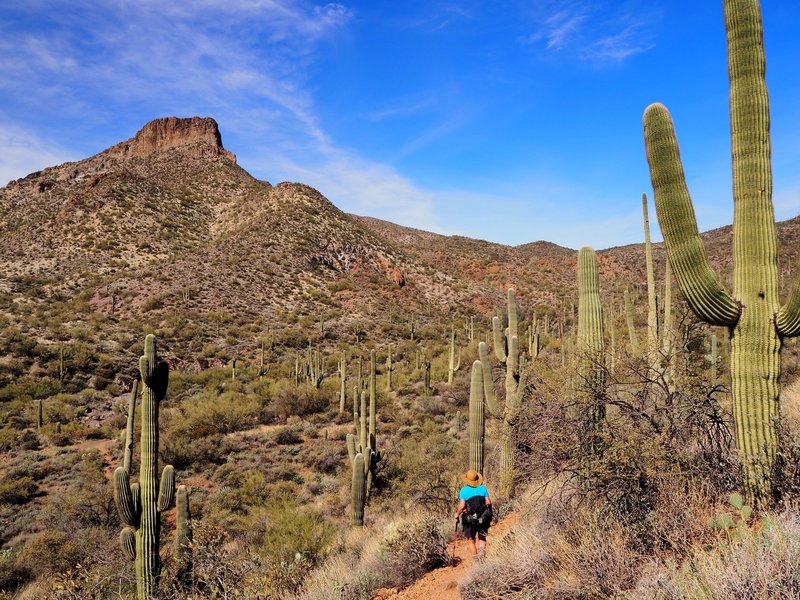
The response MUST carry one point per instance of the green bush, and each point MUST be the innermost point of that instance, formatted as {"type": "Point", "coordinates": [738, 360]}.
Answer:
{"type": "Point", "coordinates": [18, 491]}
{"type": "Point", "coordinates": [412, 548]}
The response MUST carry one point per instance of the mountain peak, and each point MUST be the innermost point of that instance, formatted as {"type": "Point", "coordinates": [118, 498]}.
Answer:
{"type": "Point", "coordinates": [197, 137]}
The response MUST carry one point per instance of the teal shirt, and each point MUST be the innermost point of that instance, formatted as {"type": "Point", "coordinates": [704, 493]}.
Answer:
{"type": "Point", "coordinates": [468, 492]}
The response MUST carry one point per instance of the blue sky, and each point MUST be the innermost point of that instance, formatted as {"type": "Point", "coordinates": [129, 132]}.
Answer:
{"type": "Point", "coordinates": [509, 121]}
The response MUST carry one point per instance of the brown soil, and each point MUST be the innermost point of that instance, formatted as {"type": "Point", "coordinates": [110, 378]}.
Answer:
{"type": "Point", "coordinates": [442, 584]}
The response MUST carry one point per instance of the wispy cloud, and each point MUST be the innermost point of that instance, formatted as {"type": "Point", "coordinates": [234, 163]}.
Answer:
{"type": "Point", "coordinates": [590, 31]}
{"type": "Point", "coordinates": [245, 62]}
{"type": "Point", "coordinates": [402, 107]}
{"type": "Point", "coordinates": [364, 187]}
{"type": "Point", "coordinates": [24, 153]}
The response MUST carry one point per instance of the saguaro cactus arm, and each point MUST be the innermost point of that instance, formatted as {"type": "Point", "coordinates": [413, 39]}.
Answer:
{"type": "Point", "coordinates": [703, 290]}
{"type": "Point", "coordinates": [127, 539]}
{"type": "Point", "coordinates": [129, 429]}
{"type": "Point", "coordinates": [166, 490]}
{"type": "Point", "coordinates": [123, 498]}
{"type": "Point", "coordinates": [788, 318]}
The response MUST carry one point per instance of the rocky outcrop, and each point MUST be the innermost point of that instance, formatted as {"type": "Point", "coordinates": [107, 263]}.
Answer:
{"type": "Point", "coordinates": [196, 137]}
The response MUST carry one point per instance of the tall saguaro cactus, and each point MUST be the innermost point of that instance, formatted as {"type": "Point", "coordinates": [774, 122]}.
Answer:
{"type": "Point", "coordinates": [128, 452]}
{"type": "Point", "coordinates": [362, 448]}
{"type": "Point", "coordinates": [752, 313]}
{"type": "Point", "coordinates": [453, 364]}
{"type": "Point", "coordinates": [183, 536]}
{"type": "Point", "coordinates": [506, 349]}
{"type": "Point", "coordinates": [476, 418]}
{"type": "Point", "coordinates": [652, 301]}
{"type": "Point", "coordinates": [342, 369]}
{"type": "Point", "coordinates": [591, 350]}
{"type": "Point", "coordinates": [139, 504]}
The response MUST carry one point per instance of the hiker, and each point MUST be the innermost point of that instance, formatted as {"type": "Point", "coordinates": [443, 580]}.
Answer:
{"type": "Point", "coordinates": [475, 510]}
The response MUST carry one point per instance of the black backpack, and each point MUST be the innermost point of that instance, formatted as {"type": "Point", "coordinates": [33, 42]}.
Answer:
{"type": "Point", "coordinates": [477, 513]}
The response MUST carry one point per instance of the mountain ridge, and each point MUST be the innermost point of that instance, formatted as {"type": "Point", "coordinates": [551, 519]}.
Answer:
{"type": "Point", "coordinates": [166, 226]}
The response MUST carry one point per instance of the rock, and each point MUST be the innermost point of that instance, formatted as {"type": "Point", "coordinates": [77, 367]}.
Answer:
{"type": "Point", "coordinates": [197, 137]}
{"type": "Point", "coordinates": [396, 276]}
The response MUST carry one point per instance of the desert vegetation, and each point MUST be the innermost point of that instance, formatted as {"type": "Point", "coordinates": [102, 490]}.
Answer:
{"type": "Point", "coordinates": [246, 393]}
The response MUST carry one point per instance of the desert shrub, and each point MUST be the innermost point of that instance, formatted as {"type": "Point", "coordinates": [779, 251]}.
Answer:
{"type": "Point", "coordinates": [763, 564]}
{"type": "Point", "coordinates": [386, 555]}
{"type": "Point", "coordinates": [18, 490]}
{"type": "Point", "coordinates": [12, 575]}
{"type": "Point", "coordinates": [181, 450]}
{"type": "Point", "coordinates": [589, 557]}
{"type": "Point", "coordinates": [207, 414]}
{"type": "Point", "coordinates": [302, 400]}
{"type": "Point", "coordinates": [424, 468]}
{"type": "Point", "coordinates": [50, 552]}
{"type": "Point", "coordinates": [412, 548]}
{"type": "Point", "coordinates": [292, 530]}
{"type": "Point", "coordinates": [287, 435]}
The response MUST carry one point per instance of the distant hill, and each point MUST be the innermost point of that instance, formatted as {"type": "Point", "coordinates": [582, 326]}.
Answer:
{"type": "Point", "coordinates": [166, 230]}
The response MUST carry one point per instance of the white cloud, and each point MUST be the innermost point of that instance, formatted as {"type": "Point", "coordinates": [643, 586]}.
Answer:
{"type": "Point", "coordinates": [24, 153]}
{"type": "Point", "coordinates": [591, 31]}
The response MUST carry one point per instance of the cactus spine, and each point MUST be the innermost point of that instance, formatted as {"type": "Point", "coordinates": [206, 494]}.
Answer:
{"type": "Point", "coordinates": [752, 313]}
{"type": "Point", "coordinates": [453, 365]}
{"type": "Point", "coordinates": [476, 417]}
{"type": "Point", "coordinates": [139, 504]}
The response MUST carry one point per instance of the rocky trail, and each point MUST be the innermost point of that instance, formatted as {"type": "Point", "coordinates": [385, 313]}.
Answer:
{"type": "Point", "coordinates": [442, 583]}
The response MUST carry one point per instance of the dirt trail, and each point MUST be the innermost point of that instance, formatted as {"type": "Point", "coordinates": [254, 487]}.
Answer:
{"type": "Point", "coordinates": [105, 448]}
{"type": "Point", "coordinates": [442, 583]}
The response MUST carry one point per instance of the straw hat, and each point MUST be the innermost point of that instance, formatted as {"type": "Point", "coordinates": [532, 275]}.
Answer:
{"type": "Point", "coordinates": [473, 478]}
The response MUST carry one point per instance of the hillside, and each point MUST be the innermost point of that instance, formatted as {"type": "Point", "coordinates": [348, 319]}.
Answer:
{"type": "Point", "coordinates": [167, 223]}
{"type": "Point", "coordinates": [261, 297]}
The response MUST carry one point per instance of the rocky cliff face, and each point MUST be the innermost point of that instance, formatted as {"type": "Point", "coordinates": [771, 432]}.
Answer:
{"type": "Point", "coordinates": [196, 137]}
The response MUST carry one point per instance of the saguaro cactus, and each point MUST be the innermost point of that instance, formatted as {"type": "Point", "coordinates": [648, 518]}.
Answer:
{"type": "Point", "coordinates": [591, 355]}
{"type": "Point", "coordinates": [752, 313]}
{"type": "Point", "coordinates": [634, 339]}
{"type": "Point", "coordinates": [476, 418]}
{"type": "Point", "coordinates": [506, 348]}
{"type": "Point", "coordinates": [389, 369]}
{"type": "Point", "coordinates": [128, 452]}
{"type": "Point", "coordinates": [362, 448]}
{"type": "Point", "coordinates": [342, 369]}
{"type": "Point", "coordinates": [139, 504]}
{"type": "Point", "coordinates": [358, 490]}
{"type": "Point", "coordinates": [183, 536]}
{"type": "Point", "coordinates": [652, 301]}
{"type": "Point", "coordinates": [453, 364]}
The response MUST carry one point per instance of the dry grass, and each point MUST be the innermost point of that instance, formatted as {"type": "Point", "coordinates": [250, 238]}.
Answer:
{"type": "Point", "coordinates": [385, 554]}
{"type": "Point", "coordinates": [763, 565]}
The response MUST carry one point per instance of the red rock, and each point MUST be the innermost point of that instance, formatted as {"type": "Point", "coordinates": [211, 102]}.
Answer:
{"type": "Point", "coordinates": [197, 137]}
